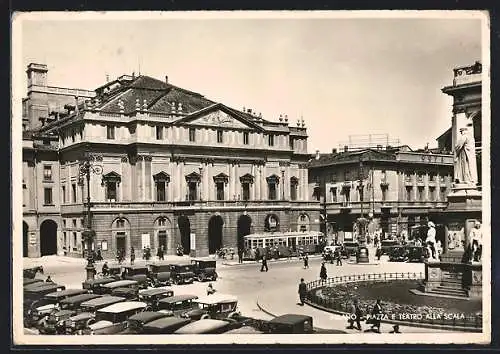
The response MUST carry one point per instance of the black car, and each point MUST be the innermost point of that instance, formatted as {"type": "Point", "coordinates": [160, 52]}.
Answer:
{"type": "Point", "coordinates": [386, 245]}
{"type": "Point", "coordinates": [204, 269]}
{"type": "Point", "coordinates": [416, 253]}
{"type": "Point", "coordinates": [159, 274]}
{"type": "Point", "coordinates": [290, 324]}
{"type": "Point", "coordinates": [136, 322]}
{"type": "Point", "coordinates": [182, 273]}
{"type": "Point", "coordinates": [350, 249]}
{"type": "Point", "coordinates": [138, 273]}
{"type": "Point", "coordinates": [398, 254]}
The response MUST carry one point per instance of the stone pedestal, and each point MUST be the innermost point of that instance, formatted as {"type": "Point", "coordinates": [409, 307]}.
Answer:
{"type": "Point", "coordinates": [362, 255]}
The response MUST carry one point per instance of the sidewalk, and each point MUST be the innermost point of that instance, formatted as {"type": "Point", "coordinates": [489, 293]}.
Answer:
{"type": "Point", "coordinates": [234, 262]}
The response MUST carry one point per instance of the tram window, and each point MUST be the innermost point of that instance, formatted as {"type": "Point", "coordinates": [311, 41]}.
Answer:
{"type": "Point", "coordinates": [260, 243]}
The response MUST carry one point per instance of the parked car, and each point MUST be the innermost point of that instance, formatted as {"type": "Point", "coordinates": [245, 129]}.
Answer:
{"type": "Point", "coordinates": [130, 294]}
{"type": "Point", "coordinates": [165, 325]}
{"type": "Point", "coordinates": [159, 274]}
{"type": "Point", "coordinates": [113, 319]}
{"type": "Point", "coordinates": [29, 281]}
{"type": "Point", "coordinates": [290, 324]}
{"type": "Point", "coordinates": [73, 302]}
{"type": "Point", "coordinates": [178, 304]}
{"type": "Point", "coordinates": [138, 273]}
{"type": "Point", "coordinates": [75, 324]}
{"type": "Point", "coordinates": [136, 322]}
{"type": "Point", "coordinates": [386, 245]}
{"type": "Point", "coordinates": [216, 306]}
{"type": "Point", "coordinates": [244, 330]}
{"type": "Point", "coordinates": [152, 296]}
{"type": "Point", "coordinates": [115, 271]}
{"type": "Point", "coordinates": [204, 269]}
{"type": "Point", "coordinates": [54, 324]}
{"type": "Point", "coordinates": [416, 253]}
{"type": "Point", "coordinates": [182, 273]}
{"type": "Point", "coordinates": [207, 326]}
{"type": "Point", "coordinates": [35, 292]}
{"type": "Point", "coordinates": [95, 285]}
{"type": "Point", "coordinates": [99, 303]}
{"type": "Point", "coordinates": [108, 288]}
{"type": "Point", "coordinates": [31, 272]}
{"type": "Point", "coordinates": [350, 249]}
{"type": "Point", "coordinates": [329, 252]}
{"type": "Point", "coordinates": [398, 254]}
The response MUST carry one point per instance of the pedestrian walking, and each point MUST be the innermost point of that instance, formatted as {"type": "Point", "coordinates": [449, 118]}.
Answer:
{"type": "Point", "coordinates": [132, 255]}
{"type": "Point", "coordinates": [375, 317]}
{"type": "Point", "coordinates": [322, 273]}
{"type": "Point", "coordinates": [264, 264]}
{"type": "Point", "coordinates": [105, 269]}
{"type": "Point", "coordinates": [210, 289]}
{"type": "Point", "coordinates": [355, 316]}
{"type": "Point", "coordinates": [395, 329]}
{"type": "Point", "coordinates": [302, 291]}
{"type": "Point", "coordinates": [306, 261]}
{"type": "Point", "coordinates": [160, 253]}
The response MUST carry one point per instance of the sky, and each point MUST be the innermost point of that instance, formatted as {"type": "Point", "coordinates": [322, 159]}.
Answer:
{"type": "Point", "coordinates": [344, 76]}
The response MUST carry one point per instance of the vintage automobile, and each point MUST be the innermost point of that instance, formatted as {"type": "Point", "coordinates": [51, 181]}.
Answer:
{"type": "Point", "coordinates": [165, 325]}
{"type": "Point", "coordinates": [115, 271]}
{"type": "Point", "coordinates": [386, 245]}
{"type": "Point", "coordinates": [136, 322]}
{"type": "Point", "coordinates": [159, 274]}
{"type": "Point", "coordinates": [54, 324]}
{"type": "Point", "coordinates": [30, 273]}
{"type": "Point", "coordinates": [100, 302]}
{"type": "Point", "coordinates": [329, 252]}
{"type": "Point", "coordinates": [290, 324]}
{"type": "Point", "coordinates": [138, 273]}
{"type": "Point", "coordinates": [113, 319]}
{"type": "Point", "coordinates": [398, 254]}
{"type": "Point", "coordinates": [95, 285]}
{"type": "Point", "coordinates": [130, 294]}
{"type": "Point", "coordinates": [204, 269]}
{"type": "Point", "coordinates": [177, 305]}
{"type": "Point", "coordinates": [207, 326]}
{"type": "Point", "coordinates": [29, 281]}
{"type": "Point", "coordinates": [350, 249]}
{"type": "Point", "coordinates": [416, 253]}
{"type": "Point", "coordinates": [73, 302]}
{"type": "Point", "coordinates": [182, 273]}
{"type": "Point", "coordinates": [216, 306]}
{"type": "Point", "coordinates": [35, 292]}
{"type": "Point", "coordinates": [244, 330]}
{"type": "Point", "coordinates": [152, 296]}
{"type": "Point", "coordinates": [109, 287]}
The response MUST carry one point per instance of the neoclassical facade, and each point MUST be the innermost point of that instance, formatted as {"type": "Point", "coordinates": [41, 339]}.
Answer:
{"type": "Point", "coordinates": [171, 167]}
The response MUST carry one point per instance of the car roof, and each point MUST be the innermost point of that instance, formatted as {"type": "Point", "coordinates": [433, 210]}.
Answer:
{"type": "Point", "coordinates": [103, 300]}
{"type": "Point", "coordinates": [119, 283]}
{"type": "Point", "coordinates": [28, 281]}
{"type": "Point", "coordinates": [82, 315]}
{"type": "Point", "coordinates": [101, 280]}
{"type": "Point", "coordinates": [124, 306]}
{"type": "Point", "coordinates": [203, 260]}
{"type": "Point", "coordinates": [201, 326]}
{"type": "Point", "coordinates": [147, 316]}
{"type": "Point", "coordinates": [244, 330]}
{"type": "Point", "coordinates": [182, 265]}
{"type": "Point", "coordinates": [166, 322]}
{"type": "Point", "coordinates": [80, 298]}
{"type": "Point", "coordinates": [42, 287]}
{"type": "Point", "coordinates": [63, 312]}
{"type": "Point", "coordinates": [217, 298]}
{"type": "Point", "coordinates": [136, 266]}
{"type": "Point", "coordinates": [178, 298]}
{"type": "Point", "coordinates": [290, 319]}
{"type": "Point", "coordinates": [154, 291]}
{"type": "Point", "coordinates": [66, 292]}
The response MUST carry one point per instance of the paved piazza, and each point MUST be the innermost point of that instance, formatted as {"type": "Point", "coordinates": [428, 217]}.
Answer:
{"type": "Point", "coordinates": [260, 294]}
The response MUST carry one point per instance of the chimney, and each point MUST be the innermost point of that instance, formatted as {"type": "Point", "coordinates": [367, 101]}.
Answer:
{"type": "Point", "coordinates": [166, 79]}
{"type": "Point", "coordinates": [317, 154]}
{"type": "Point", "coordinates": [346, 148]}
{"type": "Point", "coordinates": [334, 151]}
{"type": "Point", "coordinates": [249, 110]}
{"type": "Point", "coordinates": [286, 118]}
{"type": "Point", "coordinates": [281, 118]}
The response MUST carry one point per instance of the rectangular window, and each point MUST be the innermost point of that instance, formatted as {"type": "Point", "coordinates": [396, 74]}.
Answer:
{"type": "Point", "coordinates": [432, 193]}
{"type": "Point", "coordinates": [333, 194]}
{"type": "Point", "coordinates": [160, 191]}
{"type": "Point", "coordinates": [272, 191]}
{"type": "Point", "coordinates": [409, 193]}
{"type": "Point", "coordinates": [192, 191]}
{"type": "Point", "coordinates": [442, 194]}
{"type": "Point", "coordinates": [159, 133]}
{"type": "Point", "coordinates": [293, 191]}
{"type": "Point", "coordinates": [64, 223]}
{"type": "Point", "coordinates": [384, 194]}
{"type": "Point", "coordinates": [74, 223]}
{"type": "Point", "coordinates": [220, 190]}
{"type": "Point", "coordinates": [65, 240]}
{"type": "Point", "coordinates": [347, 175]}
{"type": "Point", "coordinates": [63, 194]}
{"type": "Point", "coordinates": [271, 140]}
{"type": "Point", "coordinates": [75, 241]}
{"type": "Point", "coordinates": [47, 173]}
{"type": "Point", "coordinates": [334, 177]}
{"type": "Point", "coordinates": [220, 136]}
{"type": "Point", "coordinates": [192, 135]}
{"type": "Point", "coordinates": [245, 138]}
{"type": "Point", "coordinates": [111, 191]}
{"type": "Point", "coordinates": [246, 191]}
{"type": "Point", "coordinates": [110, 132]}
{"type": "Point", "coordinates": [291, 143]}
{"type": "Point", "coordinates": [47, 196]}
{"type": "Point", "coordinates": [421, 194]}
{"type": "Point", "coordinates": [73, 192]}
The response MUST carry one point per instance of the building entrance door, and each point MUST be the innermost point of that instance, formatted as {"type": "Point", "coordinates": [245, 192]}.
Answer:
{"type": "Point", "coordinates": [162, 240]}
{"type": "Point", "coordinates": [121, 242]}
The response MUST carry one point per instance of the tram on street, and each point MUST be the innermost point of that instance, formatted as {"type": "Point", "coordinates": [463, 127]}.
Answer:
{"type": "Point", "coordinates": [282, 244]}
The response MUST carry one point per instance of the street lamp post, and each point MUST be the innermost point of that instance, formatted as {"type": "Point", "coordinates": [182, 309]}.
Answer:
{"type": "Point", "coordinates": [362, 256]}
{"type": "Point", "coordinates": [86, 168]}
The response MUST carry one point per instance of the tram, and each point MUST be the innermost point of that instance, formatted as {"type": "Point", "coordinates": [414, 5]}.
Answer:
{"type": "Point", "coordinates": [282, 244]}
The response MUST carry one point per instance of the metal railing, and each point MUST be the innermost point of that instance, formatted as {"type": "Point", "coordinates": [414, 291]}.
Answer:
{"type": "Point", "coordinates": [439, 319]}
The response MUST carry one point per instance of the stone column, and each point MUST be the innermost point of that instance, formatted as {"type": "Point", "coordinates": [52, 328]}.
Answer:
{"type": "Point", "coordinates": [253, 185]}
{"type": "Point", "coordinates": [263, 189]}
{"type": "Point", "coordinates": [236, 179]}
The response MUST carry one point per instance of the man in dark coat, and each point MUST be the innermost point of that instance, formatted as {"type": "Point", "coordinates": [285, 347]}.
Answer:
{"type": "Point", "coordinates": [375, 317]}
{"type": "Point", "coordinates": [355, 316]}
{"type": "Point", "coordinates": [264, 264]}
{"type": "Point", "coordinates": [302, 291]}
{"type": "Point", "coordinates": [306, 261]}
{"type": "Point", "coordinates": [322, 273]}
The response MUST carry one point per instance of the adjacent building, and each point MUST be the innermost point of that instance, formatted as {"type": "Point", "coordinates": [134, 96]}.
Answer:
{"type": "Point", "coordinates": [170, 167]}
{"type": "Point", "coordinates": [399, 187]}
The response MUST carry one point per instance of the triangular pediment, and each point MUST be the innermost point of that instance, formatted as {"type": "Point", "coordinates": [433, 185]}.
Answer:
{"type": "Point", "coordinates": [162, 176]}
{"type": "Point", "coordinates": [220, 116]}
{"type": "Point", "coordinates": [111, 175]}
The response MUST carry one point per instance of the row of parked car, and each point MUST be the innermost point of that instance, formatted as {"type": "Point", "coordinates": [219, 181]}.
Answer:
{"type": "Point", "coordinates": [110, 306]}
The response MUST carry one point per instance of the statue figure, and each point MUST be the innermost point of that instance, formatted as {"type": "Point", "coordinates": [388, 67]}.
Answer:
{"type": "Point", "coordinates": [476, 237]}
{"type": "Point", "coordinates": [430, 241]}
{"type": "Point", "coordinates": [465, 159]}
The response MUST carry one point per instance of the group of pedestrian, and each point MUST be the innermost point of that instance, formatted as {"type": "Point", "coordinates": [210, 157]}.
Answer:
{"type": "Point", "coordinates": [374, 318]}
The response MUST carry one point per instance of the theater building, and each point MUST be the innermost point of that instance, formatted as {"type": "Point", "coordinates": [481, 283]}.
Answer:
{"type": "Point", "coordinates": [170, 167]}
{"type": "Point", "coordinates": [399, 188]}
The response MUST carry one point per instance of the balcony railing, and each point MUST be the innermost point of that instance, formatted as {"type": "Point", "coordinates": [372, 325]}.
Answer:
{"type": "Point", "coordinates": [378, 205]}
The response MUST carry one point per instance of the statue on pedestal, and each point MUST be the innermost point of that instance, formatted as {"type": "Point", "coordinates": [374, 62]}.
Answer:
{"type": "Point", "coordinates": [430, 241]}
{"type": "Point", "coordinates": [465, 159]}
{"type": "Point", "coordinates": [476, 239]}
